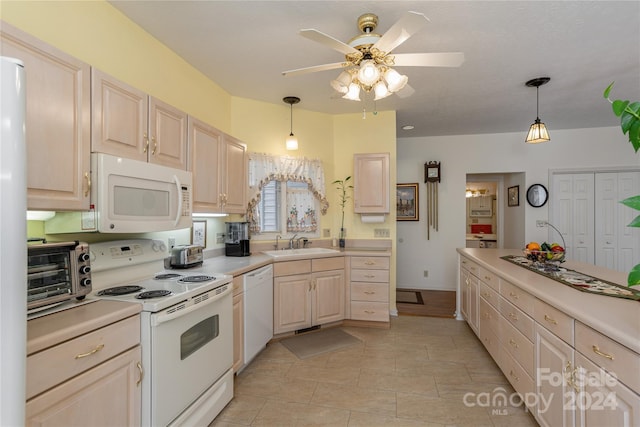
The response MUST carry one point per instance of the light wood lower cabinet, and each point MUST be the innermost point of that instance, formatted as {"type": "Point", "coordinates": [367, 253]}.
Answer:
{"type": "Point", "coordinates": [570, 374]}
{"type": "Point", "coordinates": [90, 380]}
{"type": "Point", "coordinates": [308, 293]}
{"type": "Point", "coordinates": [369, 288]}
{"type": "Point", "coordinates": [238, 323]}
{"type": "Point", "coordinates": [106, 395]}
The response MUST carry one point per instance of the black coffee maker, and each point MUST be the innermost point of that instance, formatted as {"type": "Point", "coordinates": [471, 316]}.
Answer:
{"type": "Point", "coordinates": [236, 239]}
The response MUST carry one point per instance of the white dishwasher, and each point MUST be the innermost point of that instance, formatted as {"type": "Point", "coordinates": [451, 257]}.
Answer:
{"type": "Point", "coordinates": [258, 311]}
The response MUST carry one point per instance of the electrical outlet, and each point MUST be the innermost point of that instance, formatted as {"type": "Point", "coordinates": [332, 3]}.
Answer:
{"type": "Point", "coordinates": [426, 273]}
{"type": "Point", "coordinates": [541, 223]}
{"type": "Point", "coordinates": [219, 238]}
{"type": "Point", "coordinates": [326, 232]}
{"type": "Point", "coordinates": [381, 232]}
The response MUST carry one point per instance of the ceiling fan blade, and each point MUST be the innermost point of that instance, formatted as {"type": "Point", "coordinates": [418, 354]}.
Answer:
{"type": "Point", "coordinates": [409, 24]}
{"type": "Point", "coordinates": [328, 41]}
{"type": "Point", "coordinates": [313, 69]}
{"type": "Point", "coordinates": [444, 59]}
{"type": "Point", "coordinates": [405, 92]}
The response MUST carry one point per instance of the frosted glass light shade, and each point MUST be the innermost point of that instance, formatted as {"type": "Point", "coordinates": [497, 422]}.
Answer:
{"type": "Point", "coordinates": [292, 142]}
{"type": "Point", "coordinates": [380, 90]}
{"type": "Point", "coordinates": [368, 73]}
{"type": "Point", "coordinates": [342, 82]}
{"type": "Point", "coordinates": [395, 81]}
{"type": "Point", "coordinates": [537, 133]}
{"type": "Point", "coordinates": [353, 93]}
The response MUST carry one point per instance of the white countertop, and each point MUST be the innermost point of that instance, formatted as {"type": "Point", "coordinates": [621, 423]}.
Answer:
{"type": "Point", "coordinates": [616, 318]}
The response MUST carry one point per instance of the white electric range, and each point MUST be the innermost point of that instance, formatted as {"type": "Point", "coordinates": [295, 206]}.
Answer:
{"type": "Point", "coordinates": [186, 329]}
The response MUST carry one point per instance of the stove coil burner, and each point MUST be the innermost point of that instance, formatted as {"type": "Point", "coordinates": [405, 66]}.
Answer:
{"type": "Point", "coordinates": [196, 279]}
{"type": "Point", "coordinates": [120, 290]}
{"type": "Point", "coordinates": [166, 276]}
{"type": "Point", "coordinates": [153, 294]}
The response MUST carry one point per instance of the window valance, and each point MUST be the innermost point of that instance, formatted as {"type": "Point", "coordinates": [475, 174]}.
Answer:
{"type": "Point", "coordinates": [264, 168]}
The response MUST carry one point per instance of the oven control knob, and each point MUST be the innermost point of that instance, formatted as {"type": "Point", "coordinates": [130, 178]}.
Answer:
{"type": "Point", "coordinates": [85, 281]}
{"type": "Point", "coordinates": [84, 257]}
{"type": "Point", "coordinates": [85, 269]}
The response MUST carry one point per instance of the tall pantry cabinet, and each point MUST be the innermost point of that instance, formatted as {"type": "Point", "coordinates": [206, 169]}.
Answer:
{"type": "Point", "coordinates": [586, 208]}
{"type": "Point", "coordinates": [57, 121]}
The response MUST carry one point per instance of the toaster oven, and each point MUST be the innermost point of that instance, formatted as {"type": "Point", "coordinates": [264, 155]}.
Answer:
{"type": "Point", "coordinates": [57, 272]}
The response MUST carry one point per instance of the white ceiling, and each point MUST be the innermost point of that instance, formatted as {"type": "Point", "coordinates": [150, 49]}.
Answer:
{"type": "Point", "coordinates": [582, 45]}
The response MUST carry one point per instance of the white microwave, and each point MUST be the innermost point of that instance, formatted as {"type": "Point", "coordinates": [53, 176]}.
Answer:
{"type": "Point", "coordinates": [130, 196]}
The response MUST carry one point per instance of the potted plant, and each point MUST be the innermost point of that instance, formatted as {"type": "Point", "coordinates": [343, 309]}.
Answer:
{"type": "Point", "coordinates": [629, 113]}
{"type": "Point", "coordinates": [342, 186]}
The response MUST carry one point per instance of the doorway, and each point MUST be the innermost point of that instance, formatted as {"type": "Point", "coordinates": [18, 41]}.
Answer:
{"type": "Point", "coordinates": [482, 211]}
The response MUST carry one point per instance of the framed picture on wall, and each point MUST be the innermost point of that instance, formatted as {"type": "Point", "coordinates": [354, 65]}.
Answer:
{"type": "Point", "coordinates": [513, 196]}
{"type": "Point", "coordinates": [407, 202]}
{"type": "Point", "coordinates": [199, 233]}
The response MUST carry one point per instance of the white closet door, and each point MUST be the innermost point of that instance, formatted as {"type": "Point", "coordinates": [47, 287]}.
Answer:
{"type": "Point", "coordinates": [628, 237]}
{"type": "Point", "coordinates": [572, 212]}
{"type": "Point", "coordinates": [607, 223]}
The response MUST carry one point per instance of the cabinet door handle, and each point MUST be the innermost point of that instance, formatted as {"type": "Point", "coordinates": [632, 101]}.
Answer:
{"type": "Point", "coordinates": [515, 377]}
{"type": "Point", "coordinates": [369, 292]}
{"type": "Point", "coordinates": [369, 263]}
{"type": "Point", "coordinates": [485, 294]}
{"type": "Point", "coordinates": [87, 178]}
{"type": "Point", "coordinates": [139, 365]}
{"type": "Point", "coordinates": [146, 143]}
{"type": "Point", "coordinates": [155, 145]}
{"type": "Point", "coordinates": [513, 295]}
{"type": "Point", "coordinates": [487, 278]}
{"type": "Point", "coordinates": [550, 319]}
{"type": "Point", "coordinates": [369, 276]}
{"type": "Point", "coordinates": [89, 353]}
{"type": "Point", "coordinates": [513, 343]}
{"type": "Point", "coordinates": [513, 316]}
{"type": "Point", "coordinates": [369, 311]}
{"type": "Point", "coordinates": [597, 351]}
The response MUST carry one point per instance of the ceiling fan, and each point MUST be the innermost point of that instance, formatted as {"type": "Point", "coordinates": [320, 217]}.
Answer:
{"type": "Point", "coordinates": [368, 59]}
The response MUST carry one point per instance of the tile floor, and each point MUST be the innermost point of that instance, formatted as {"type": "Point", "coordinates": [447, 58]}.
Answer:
{"type": "Point", "coordinates": [414, 374]}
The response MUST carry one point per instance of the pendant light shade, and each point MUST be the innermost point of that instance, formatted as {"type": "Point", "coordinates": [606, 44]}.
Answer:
{"type": "Point", "coordinates": [538, 131]}
{"type": "Point", "coordinates": [291, 141]}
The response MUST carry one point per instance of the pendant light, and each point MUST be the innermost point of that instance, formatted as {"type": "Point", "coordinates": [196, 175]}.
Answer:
{"type": "Point", "coordinates": [538, 131]}
{"type": "Point", "coordinates": [292, 141]}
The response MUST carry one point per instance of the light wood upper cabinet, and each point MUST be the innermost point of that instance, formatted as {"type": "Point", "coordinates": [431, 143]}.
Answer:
{"type": "Point", "coordinates": [219, 166]}
{"type": "Point", "coordinates": [129, 123]}
{"type": "Point", "coordinates": [371, 183]}
{"type": "Point", "coordinates": [57, 122]}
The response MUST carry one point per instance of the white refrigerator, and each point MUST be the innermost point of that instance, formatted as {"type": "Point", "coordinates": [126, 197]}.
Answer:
{"type": "Point", "coordinates": [13, 243]}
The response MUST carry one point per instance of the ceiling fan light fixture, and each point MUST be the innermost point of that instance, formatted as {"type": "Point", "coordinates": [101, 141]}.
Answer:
{"type": "Point", "coordinates": [342, 82]}
{"type": "Point", "coordinates": [537, 131]}
{"type": "Point", "coordinates": [291, 143]}
{"type": "Point", "coordinates": [395, 81]}
{"type": "Point", "coordinates": [353, 94]}
{"type": "Point", "coordinates": [369, 73]}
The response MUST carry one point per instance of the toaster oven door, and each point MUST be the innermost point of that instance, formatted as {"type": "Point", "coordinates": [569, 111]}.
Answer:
{"type": "Point", "coordinates": [49, 276]}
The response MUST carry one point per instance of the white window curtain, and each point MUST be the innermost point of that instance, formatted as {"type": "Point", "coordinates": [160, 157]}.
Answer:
{"type": "Point", "coordinates": [264, 168]}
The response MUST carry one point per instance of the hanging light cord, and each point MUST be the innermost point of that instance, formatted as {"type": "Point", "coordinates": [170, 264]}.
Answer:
{"type": "Point", "coordinates": [537, 102]}
{"type": "Point", "coordinates": [291, 121]}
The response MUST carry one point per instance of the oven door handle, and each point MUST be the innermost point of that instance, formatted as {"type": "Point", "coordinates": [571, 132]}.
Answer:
{"type": "Point", "coordinates": [179, 187]}
{"type": "Point", "coordinates": [160, 318]}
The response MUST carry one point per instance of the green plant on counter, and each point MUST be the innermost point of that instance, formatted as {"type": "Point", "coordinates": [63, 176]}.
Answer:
{"type": "Point", "coordinates": [629, 113]}
{"type": "Point", "coordinates": [342, 186]}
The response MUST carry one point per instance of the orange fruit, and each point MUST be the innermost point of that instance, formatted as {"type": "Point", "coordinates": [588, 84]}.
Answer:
{"type": "Point", "coordinates": [533, 246]}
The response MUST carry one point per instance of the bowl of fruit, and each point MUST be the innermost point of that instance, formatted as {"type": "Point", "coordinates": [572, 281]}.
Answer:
{"type": "Point", "coordinates": [544, 253]}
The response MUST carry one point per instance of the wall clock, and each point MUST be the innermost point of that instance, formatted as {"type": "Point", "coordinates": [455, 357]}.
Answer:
{"type": "Point", "coordinates": [537, 195]}
{"type": "Point", "coordinates": [432, 172]}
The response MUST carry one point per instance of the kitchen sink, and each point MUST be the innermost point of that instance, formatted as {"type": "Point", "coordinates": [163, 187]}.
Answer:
{"type": "Point", "coordinates": [298, 253]}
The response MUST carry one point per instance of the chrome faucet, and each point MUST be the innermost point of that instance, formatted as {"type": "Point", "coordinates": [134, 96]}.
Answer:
{"type": "Point", "coordinates": [278, 237]}
{"type": "Point", "coordinates": [291, 241]}
{"type": "Point", "coordinates": [303, 242]}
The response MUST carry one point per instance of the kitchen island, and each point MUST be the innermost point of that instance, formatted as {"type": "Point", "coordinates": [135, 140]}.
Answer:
{"type": "Point", "coordinates": [572, 356]}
